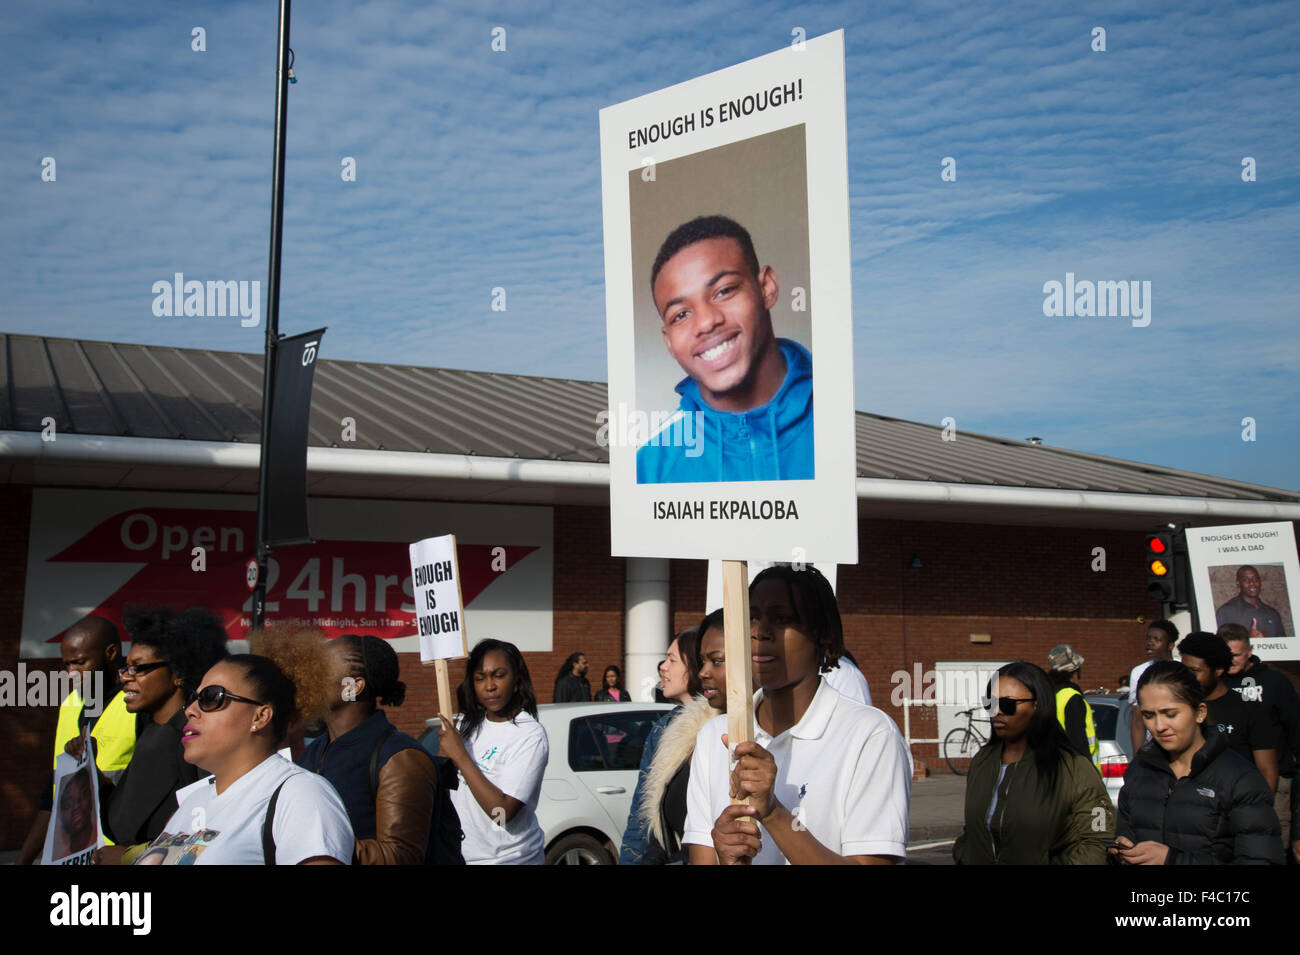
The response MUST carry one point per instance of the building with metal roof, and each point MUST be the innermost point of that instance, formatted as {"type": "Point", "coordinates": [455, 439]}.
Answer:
{"type": "Point", "coordinates": [128, 415]}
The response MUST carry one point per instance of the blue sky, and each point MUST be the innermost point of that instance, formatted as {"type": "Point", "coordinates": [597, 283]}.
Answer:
{"type": "Point", "coordinates": [478, 169]}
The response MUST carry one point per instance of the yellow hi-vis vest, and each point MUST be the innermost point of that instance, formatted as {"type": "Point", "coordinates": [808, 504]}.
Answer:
{"type": "Point", "coordinates": [114, 731]}
{"type": "Point", "coordinates": [1062, 698]}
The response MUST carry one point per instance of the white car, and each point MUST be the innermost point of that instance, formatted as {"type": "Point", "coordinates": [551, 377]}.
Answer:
{"type": "Point", "coordinates": [1111, 714]}
{"type": "Point", "coordinates": [590, 776]}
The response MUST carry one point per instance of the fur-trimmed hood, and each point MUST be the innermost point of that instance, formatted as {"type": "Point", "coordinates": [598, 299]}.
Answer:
{"type": "Point", "coordinates": [675, 747]}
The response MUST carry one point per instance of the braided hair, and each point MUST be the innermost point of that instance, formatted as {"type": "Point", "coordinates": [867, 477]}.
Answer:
{"type": "Point", "coordinates": [813, 600]}
{"type": "Point", "coordinates": [374, 660]}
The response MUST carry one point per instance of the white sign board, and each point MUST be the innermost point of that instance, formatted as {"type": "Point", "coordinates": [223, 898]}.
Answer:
{"type": "Point", "coordinates": [727, 283]}
{"type": "Point", "coordinates": [74, 832]}
{"type": "Point", "coordinates": [1246, 574]}
{"type": "Point", "coordinates": [439, 613]}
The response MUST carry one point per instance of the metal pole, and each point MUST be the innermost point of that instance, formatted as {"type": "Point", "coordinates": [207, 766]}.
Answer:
{"type": "Point", "coordinates": [272, 305]}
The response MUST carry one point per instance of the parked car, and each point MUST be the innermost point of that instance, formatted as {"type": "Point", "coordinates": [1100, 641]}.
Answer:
{"type": "Point", "coordinates": [590, 776]}
{"type": "Point", "coordinates": [1111, 714]}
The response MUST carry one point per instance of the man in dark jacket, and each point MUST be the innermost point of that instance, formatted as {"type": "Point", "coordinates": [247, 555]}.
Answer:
{"type": "Point", "coordinates": [571, 685]}
{"type": "Point", "coordinates": [1257, 682]}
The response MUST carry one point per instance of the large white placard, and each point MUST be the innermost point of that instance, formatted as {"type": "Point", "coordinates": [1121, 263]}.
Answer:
{"type": "Point", "coordinates": [727, 282]}
{"type": "Point", "coordinates": [1247, 574]}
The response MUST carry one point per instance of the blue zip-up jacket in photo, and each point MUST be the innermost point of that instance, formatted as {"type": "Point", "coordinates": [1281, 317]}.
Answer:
{"type": "Point", "coordinates": [773, 442]}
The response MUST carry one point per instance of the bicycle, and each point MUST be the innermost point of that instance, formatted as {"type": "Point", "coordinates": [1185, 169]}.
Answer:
{"type": "Point", "coordinates": [963, 742]}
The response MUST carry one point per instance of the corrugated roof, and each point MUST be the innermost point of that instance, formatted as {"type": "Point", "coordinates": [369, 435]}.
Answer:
{"type": "Point", "coordinates": [157, 391]}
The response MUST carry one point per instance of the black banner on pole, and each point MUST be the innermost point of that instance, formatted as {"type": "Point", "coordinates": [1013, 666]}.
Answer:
{"type": "Point", "coordinates": [286, 439]}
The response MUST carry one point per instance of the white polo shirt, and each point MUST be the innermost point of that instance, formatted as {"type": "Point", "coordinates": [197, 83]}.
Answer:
{"type": "Point", "coordinates": [847, 680]}
{"type": "Point", "coordinates": [842, 770]}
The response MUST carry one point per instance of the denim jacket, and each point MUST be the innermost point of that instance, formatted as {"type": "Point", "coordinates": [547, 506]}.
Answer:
{"type": "Point", "coordinates": [636, 835]}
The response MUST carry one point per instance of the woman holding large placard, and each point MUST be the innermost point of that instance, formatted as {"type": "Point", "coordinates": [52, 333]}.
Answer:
{"type": "Point", "coordinates": [501, 752]}
{"type": "Point", "coordinates": [827, 778]}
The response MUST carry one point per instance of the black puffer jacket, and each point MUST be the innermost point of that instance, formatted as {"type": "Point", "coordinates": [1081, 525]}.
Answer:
{"type": "Point", "coordinates": [1220, 813]}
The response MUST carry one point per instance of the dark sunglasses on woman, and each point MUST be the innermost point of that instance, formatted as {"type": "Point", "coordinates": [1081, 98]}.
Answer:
{"type": "Point", "coordinates": [1007, 704]}
{"type": "Point", "coordinates": [213, 697]}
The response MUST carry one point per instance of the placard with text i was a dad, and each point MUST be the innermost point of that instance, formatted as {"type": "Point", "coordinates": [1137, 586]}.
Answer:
{"type": "Point", "coordinates": [728, 279]}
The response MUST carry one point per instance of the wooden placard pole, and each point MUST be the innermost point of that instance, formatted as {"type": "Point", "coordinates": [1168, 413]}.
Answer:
{"type": "Point", "coordinates": [735, 629]}
{"type": "Point", "coordinates": [446, 702]}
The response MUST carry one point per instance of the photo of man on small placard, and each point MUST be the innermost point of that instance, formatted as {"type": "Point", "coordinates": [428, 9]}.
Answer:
{"type": "Point", "coordinates": [1253, 596]}
{"type": "Point", "coordinates": [76, 820]}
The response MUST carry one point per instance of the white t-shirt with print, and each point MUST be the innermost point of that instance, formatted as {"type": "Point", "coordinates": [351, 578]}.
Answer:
{"type": "Point", "coordinates": [843, 770]}
{"type": "Point", "coordinates": [226, 829]}
{"type": "Point", "coordinates": [512, 755]}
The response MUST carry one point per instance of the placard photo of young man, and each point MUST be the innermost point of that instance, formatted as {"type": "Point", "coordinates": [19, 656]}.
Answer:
{"type": "Point", "coordinates": [1254, 596]}
{"type": "Point", "coordinates": [723, 313]}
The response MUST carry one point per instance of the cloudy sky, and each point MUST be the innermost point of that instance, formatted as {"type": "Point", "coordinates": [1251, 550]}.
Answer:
{"type": "Point", "coordinates": [478, 169]}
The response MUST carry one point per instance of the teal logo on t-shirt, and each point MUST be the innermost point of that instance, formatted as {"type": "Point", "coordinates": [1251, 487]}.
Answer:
{"type": "Point", "coordinates": [484, 763]}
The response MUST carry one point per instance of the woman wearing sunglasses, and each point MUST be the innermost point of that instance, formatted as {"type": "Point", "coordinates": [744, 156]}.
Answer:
{"type": "Point", "coordinates": [827, 777]}
{"type": "Point", "coordinates": [170, 652]}
{"type": "Point", "coordinates": [1188, 799]}
{"type": "Point", "coordinates": [257, 808]}
{"type": "Point", "coordinates": [1031, 798]}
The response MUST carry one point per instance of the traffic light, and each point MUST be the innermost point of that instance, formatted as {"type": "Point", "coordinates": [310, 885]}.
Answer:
{"type": "Point", "coordinates": [1160, 567]}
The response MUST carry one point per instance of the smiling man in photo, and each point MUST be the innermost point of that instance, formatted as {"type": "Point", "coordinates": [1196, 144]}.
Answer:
{"type": "Point", "coordinates": [751, 391]}
{"type": "Point", "coordinates": [1248, 610]}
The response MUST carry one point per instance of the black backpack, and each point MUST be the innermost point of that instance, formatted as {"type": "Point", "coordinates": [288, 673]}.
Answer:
{"type": "Point", "coordinates": [445, 832]}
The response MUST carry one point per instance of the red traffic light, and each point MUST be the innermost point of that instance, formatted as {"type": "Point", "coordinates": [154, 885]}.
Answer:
{"type": "Point", "coordinates": [1156, 545]}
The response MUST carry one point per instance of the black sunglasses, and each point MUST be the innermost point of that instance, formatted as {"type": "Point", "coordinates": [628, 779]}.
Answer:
{"type": "Point", "coordinates": [213, 697]}
{"type": "Point", "coordinates": [1006, 704]}
{"type": "Point", "coordinates": [138, 669]}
